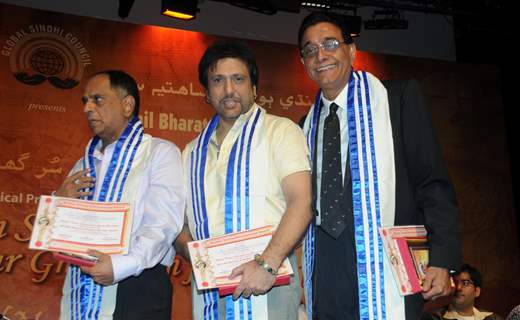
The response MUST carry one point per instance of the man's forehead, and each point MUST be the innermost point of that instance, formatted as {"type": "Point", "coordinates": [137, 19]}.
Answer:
{"type": "Point", "coordinates": [321, 31]}
{"type": "Point", "coordinates": [463, 276]}
{"type": "Point", "coordinates": [99, 84]}
{"type": "Point", "coordinates": [97, 81]}
{"type": "Point", "coordinates": [228, 66]}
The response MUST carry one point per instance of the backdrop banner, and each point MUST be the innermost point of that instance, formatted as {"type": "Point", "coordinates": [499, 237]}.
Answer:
{"type": "Point", "coordinates": [46, 58]}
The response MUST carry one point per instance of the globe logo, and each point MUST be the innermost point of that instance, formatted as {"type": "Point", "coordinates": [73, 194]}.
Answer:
{"type": "Point", "coordinates": [44, 56]}
{"type": "Point", "coordinates": [47, 61]}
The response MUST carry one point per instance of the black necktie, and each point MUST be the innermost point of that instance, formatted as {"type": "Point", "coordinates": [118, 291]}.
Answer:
{"type": "Point", "coordinates": [332, 219]}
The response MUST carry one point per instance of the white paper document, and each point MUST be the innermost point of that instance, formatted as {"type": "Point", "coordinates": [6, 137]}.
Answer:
{"type": "Point", "coordinates": [74, 226]}
{"type": "Point", "coordinates": [213, 259]}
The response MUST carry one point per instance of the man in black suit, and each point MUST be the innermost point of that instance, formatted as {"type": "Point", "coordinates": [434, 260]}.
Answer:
{"type": "Point", "coordinates": [376, 162]}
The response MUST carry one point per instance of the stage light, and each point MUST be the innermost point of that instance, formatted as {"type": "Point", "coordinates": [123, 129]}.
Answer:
{"type": "Point", "coordinates": [386, 19]}
{"type": "Point", "coordinates": [180, 9]}
{"type": "Point", "coordinates": [316, 4]}
{"type": "Point", "coordinates": [354, 25]}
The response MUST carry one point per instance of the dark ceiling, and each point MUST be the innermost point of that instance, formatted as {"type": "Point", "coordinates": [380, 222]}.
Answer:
{"type": "Point", "coordinates": [474, 21]}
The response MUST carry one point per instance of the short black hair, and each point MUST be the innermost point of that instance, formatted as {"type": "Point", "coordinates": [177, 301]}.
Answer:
{"type": "Point", "coordinates": [122, 80]}
{"type": "Point", "coordinates": [317, 17]}
{"type": "Point", "coordinates": [474, 274]}
{"type": "Point", "coordinates": [223, 50]}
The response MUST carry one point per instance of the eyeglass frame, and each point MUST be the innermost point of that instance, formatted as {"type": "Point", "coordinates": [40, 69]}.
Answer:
{"type": "Point", "coordinates": [322, 46]}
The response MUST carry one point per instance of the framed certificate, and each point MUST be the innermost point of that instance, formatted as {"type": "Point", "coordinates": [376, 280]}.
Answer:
{"type": "Point", "coordinates": [407, 250]}
{"type": "Point", "coordinates": [213, 259]}
{"type": "Point", "coordinates": [73, 226]}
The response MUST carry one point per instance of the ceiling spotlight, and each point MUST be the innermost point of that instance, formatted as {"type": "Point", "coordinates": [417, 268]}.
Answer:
{"type": "Point", "coordinates": [354, 25]}
{"type": "Point", "coordinates": [323, 4]}
{"type": "Point", "coordinates": [180, 9]}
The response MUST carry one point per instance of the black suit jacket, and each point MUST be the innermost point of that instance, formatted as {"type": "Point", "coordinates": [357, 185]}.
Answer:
{"type": "Point", "coordinates": [424, 192]}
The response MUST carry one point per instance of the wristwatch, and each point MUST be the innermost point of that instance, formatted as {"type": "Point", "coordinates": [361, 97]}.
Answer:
{"type": "Point", "coordinates": [261, 262]}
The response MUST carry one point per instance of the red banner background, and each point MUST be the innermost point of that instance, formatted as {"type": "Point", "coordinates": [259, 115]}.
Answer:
{"type": "Point", "coordinates": [43, 132]}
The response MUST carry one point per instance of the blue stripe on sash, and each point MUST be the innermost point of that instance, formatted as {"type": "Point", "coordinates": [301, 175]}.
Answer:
{"type": "Point", "coordinates": [381, 314]}
{"type": "Point", "coordinates": [309, 235]}
{"type": "Point", "coordinates": [356, 200]}
{"type": "Point", "coordinates": [228, 204]}
{"type": "Point", "coordinates": [123, 160]}
{"type": "Point", "coordinates": [232, 196]}
{"type": "Point", "coordinates": [91, 165]}
{"type": "Point", "coordinates": [230, 308]}
{"type": "Point", "coordinates": [84, 296]}
{"type": "Point", "coordinates": [197, 170]}
{"type": "Point", "coordinates": [248, 163]}
{"type": "Point", "coordinates": [194, 167]}
{"type": "Point", "coordinates": [132, 156]}
{"type": "Point", "coordinates": [238, 214]}
{"type": "Point", "coordinates": [114, 161]}
{"type": "Point", "coordinates": [197, 167]}
{"type": "Point", "coordinates": [368, 233]}
{"type": "Point", "coordinates": [202, 166]}
{"type": "Point", "coordinates": [241, 309]}
{"type": "Point", "coordinates": [233, 213]}
{"type": "Point", "coordinates": [370, 271]}
{"type": "Point", "coordinates": [74, 307]}
{"type": "Point", "coordinates": [369, 213]}
{"type": "Point", "coordinates": [194, 192]}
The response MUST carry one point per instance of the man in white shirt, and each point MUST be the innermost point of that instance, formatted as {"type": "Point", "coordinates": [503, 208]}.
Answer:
{"type": "Point", "coordinates": [468, 286]}
{"type": "Point", "coordinates": [247, 169]}
{"type": "Point", "coordinates": [121, 163]}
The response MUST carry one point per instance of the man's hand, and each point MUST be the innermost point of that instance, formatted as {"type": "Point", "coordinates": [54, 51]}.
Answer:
{"type": "Point", "coordinates": [72, 186]}
{"type": "Point", "coordinates": [101, 272]}
{"type": "Point", "coordinates": [436, 283]}
{"type": "Point", "coordinates": [255, 280]}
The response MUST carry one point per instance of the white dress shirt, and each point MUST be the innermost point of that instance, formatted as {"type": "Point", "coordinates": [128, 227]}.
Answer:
{"type": "Point", "coordinates": [158, 208]}
{"type": "Point", "coordinates": [341, 101]}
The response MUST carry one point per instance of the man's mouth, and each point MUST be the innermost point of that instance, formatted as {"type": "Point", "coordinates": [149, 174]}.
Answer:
{"type": "Point", "coordinates": [326, 67]}
{"type": "Point", "coordinates": [229, 103]}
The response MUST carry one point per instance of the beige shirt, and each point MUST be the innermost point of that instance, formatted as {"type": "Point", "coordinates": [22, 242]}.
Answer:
{"type": "Point", "coordinates": [286, 153]}
{"type": "Point", "coordinates": [477, 315]}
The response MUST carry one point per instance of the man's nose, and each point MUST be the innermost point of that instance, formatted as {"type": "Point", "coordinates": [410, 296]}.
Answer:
{"type": "Point", "coordinates": [88, 105]}
{"type": "Point", "coordinates": [321, 54]}
{"type": "Point", "coordinates": [229, 87]}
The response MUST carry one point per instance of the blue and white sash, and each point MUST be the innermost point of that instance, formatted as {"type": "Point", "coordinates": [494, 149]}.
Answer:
{"type": "Point", "coordinates": [82, 297]}
{"type": "Point", "coordinates": [246, 160]}
{"type": "Point", "coordinates": [373, 193]}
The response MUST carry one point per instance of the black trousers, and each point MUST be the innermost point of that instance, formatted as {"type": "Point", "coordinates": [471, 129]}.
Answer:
{"type": "Point", "coordinates": [147, 296]}
{"type": "Point", "coordinates": [335, 280]}
{"type": "Point", "coordinates": [335, 277]}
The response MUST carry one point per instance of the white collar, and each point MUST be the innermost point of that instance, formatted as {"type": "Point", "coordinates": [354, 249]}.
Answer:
{"type": "Point", "coordinates": [340, 100]}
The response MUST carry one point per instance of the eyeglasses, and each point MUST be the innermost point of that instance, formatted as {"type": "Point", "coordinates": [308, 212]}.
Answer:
{"type": "Point", "coordinates": [463, 283]}
{"type": "Point", "coordinates": [329, 45]}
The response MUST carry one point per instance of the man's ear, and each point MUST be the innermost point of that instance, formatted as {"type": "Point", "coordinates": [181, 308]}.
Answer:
{"type": "Point", "coordinates": [352, 52]}
{"type": "Point", "coordinates": [128, 105]}
{"type": "Point", "coordinates": [477, 292]}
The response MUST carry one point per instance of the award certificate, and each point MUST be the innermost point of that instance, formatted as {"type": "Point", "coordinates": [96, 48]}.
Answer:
{"type": "Point", "coordinates": [407, 250]}
{"type": "Point", "coordinates": [213, 259]}
{"type": "Point", "coordinates": [73, 226]}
